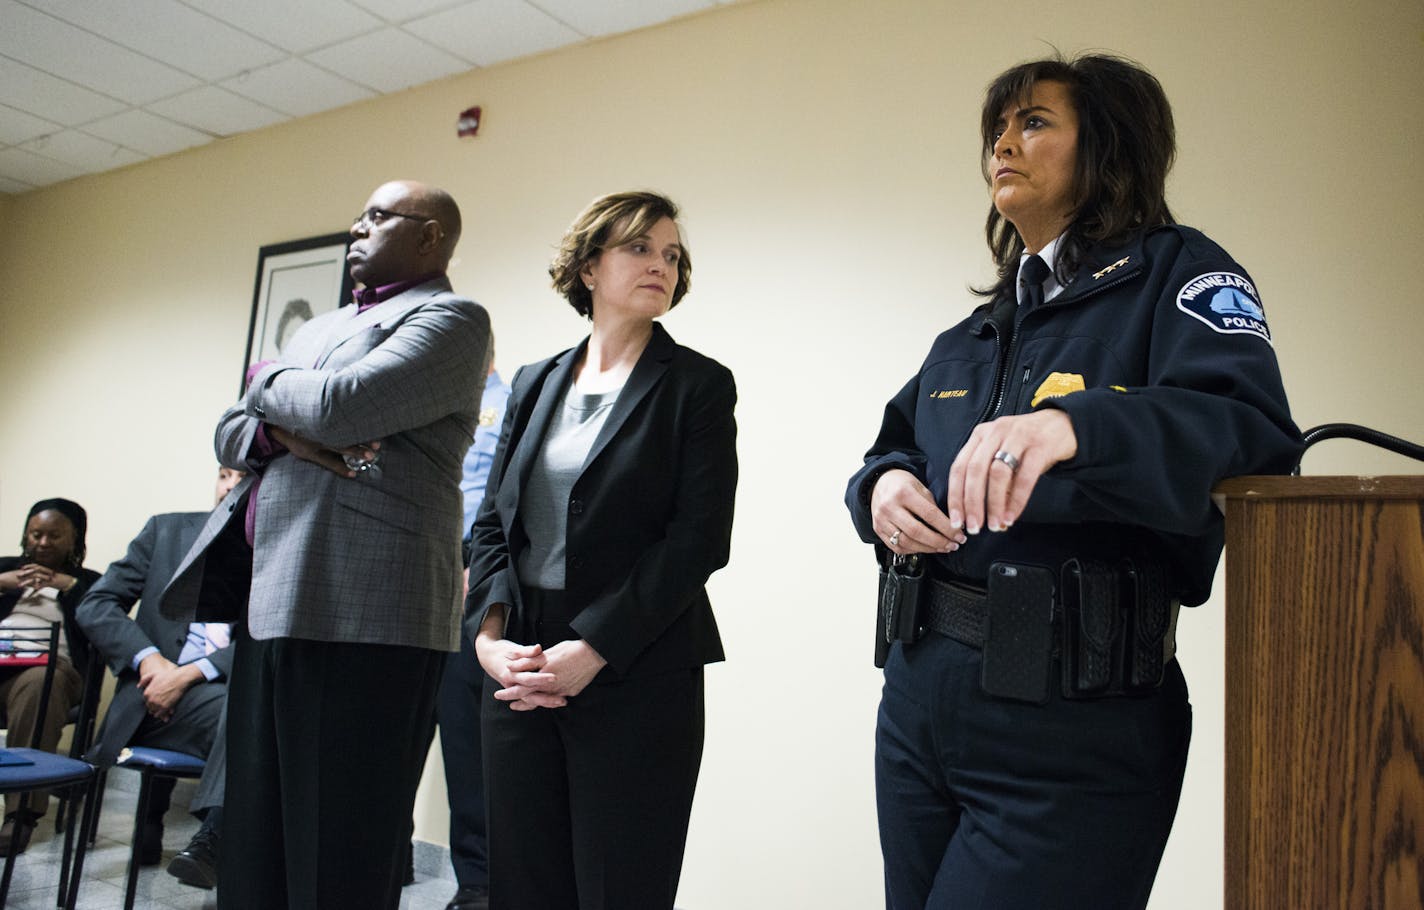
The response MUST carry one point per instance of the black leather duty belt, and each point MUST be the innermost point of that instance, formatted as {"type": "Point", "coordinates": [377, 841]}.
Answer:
{"type": "Point", "coordinates": [957, 611]}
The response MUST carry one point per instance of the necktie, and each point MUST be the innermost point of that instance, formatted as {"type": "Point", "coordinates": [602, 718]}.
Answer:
{"type": "Point", "coordinates": [1032, 273]}
{"type": "Point", "coordinates": [216, 636]}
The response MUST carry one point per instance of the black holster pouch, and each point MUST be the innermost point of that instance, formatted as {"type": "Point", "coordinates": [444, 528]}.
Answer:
{"type": "Point", "coordinates": [1115, 621]}
{"type": "Point", "coordinates": [900, 608]}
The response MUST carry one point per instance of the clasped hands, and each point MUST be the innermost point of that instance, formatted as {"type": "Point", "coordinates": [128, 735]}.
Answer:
{"type": "Point", "coordinates": [990, 482]}
{"type": "Point", "coordinates": [532, 676]}
{"type": "Point", "coordinates": [163, 683]}
{"type": "Point", "coordinates": [35, 576]}
{"type": "Point", "coordinates": [337, 461]}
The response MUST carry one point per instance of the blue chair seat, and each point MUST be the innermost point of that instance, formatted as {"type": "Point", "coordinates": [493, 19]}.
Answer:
{"type": "Point", "coordinates": [31, 769]}
{"type": "Point", "coordinates": [163, 761]}
{"type": "Point", "coordinates": [22, 770]}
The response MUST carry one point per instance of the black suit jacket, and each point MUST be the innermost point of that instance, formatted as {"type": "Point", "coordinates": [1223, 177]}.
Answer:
{"type": "Point", "coordinates": [649, 519]}
{"type": "Point", "coordinates": [139, 577]}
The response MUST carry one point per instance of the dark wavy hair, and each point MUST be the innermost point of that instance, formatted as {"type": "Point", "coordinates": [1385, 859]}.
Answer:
{"type": "Point", "coordinates": [611, 221]}
{"type": "Point", "coordinates": [1127, 142]}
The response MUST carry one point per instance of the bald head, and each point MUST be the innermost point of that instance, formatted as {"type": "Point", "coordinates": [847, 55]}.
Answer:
{"type": "Point", "coordinates": [408, 229]}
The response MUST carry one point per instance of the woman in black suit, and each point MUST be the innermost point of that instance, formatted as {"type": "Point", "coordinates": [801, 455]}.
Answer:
{"type": "Point", "coordinates": [608, 506]}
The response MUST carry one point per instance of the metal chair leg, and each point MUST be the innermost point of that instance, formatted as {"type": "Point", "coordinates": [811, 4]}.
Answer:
{"type": "Point", "coordinates": [145, 785]}
{"type": "Point", "coordinates": [73, 806]}
{"type": "Point", "coordinates": [86, 837]}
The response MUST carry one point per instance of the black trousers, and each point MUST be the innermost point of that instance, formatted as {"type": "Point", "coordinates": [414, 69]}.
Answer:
{"type": "Point", "coordinates": [589, 803]}
{"type": "Point", "coordinates": [458, 711]}
{"type": "Point", "coordinates": [325, 748]}
{"type": "Point", "coordinates": [985, 802]}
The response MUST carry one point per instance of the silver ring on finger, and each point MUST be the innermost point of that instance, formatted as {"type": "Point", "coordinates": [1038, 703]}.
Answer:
{"type": "Point", "coordinates": [895, 538]}
{"type": "Point", "coordinates": [1008, 459]}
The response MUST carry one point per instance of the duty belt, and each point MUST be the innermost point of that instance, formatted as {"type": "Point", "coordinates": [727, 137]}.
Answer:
{"type": "Point", "coordinates": [957, 610]}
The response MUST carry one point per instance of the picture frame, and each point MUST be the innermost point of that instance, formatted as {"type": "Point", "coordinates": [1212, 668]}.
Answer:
{"type": "Point", "coordinates": [296, 281]}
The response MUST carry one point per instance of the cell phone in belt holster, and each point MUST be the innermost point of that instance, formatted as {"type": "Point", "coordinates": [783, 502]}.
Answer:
{"type": "Point", "coordinates": [898, 613]}
{"type": "Point", "coordinates": [1018, 633]}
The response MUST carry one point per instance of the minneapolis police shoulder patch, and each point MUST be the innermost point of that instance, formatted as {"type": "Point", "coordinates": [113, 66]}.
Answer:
{"type": "Point", "coordinates": [1225, 301]}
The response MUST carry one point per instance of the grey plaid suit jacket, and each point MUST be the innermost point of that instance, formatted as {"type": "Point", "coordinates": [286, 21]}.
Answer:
{"type": "Point", "coordinates": [374, 559]}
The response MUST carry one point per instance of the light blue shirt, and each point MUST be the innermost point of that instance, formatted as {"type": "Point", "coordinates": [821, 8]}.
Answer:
{"type": "Point", "coordinates": [480, 458]}
{"type": "Point", "coordinates": [194, 652]}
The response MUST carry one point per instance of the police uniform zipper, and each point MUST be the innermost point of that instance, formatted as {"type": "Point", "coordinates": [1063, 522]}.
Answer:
{"type": "Point", "coordinates": [1001, 379]}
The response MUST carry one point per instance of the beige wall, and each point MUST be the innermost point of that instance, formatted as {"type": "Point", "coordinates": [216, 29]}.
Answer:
{"type": "Point", "coordinates": [825, 154]}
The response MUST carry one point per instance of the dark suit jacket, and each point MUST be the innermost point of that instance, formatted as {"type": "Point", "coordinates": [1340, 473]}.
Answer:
{"type": "Point", "coordinates": [139, 577]}
{"type": "Point", "coordinates": [650, 517]}
{"type": "Point", "coordinates": [78, 644]}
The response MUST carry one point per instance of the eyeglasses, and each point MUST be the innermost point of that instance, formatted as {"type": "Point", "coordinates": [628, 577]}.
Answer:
{"type": "Point", "coordinates": [374, 217]}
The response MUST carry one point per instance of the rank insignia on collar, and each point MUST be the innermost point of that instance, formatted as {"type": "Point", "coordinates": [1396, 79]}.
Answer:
{"type": "Point", "coordinates": [1112, 268]}
{"type": "Point", "coordinates": [487, 417]}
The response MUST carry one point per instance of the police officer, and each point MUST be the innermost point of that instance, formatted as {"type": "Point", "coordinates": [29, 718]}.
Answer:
{"type": "Point", "coordinates": [1045, 480]}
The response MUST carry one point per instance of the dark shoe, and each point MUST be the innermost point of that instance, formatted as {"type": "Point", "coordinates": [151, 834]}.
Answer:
{"type": "Point", "coordinates": [197, 864]}
{"type": "Point", "coordinates": [409, 877]}
{"type": "Point", "coordinates": [476, 898]}
{"type": "Point", "coordinates": [150, 846]}
{"type": "Point", "coordinates": [7, 831]}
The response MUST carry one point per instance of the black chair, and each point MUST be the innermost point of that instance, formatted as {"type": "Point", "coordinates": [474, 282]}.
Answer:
{"type": "Point", "coordinates": [23, 770]}
{"type": "Point", "coordinates": [150, 763]}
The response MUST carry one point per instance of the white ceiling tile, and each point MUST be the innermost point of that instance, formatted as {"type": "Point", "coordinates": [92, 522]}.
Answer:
{"type": "Point", "coordinates": [147, 133]}
{"type": "Point", "coordinates": [294, 26]}
{"type": "Point", "coordinates": [82, 151]}
{"type": "Point", "coordinates": [62, 50]}
{"type": "Point", "coordinates": [296, 87]}
{"type": "Point", "coordinates": [36, 170]}
{"type": "Point", "coordinates": [217, 111]}
{"type": "Point", "coordinates": [128, 72]}
{"type": "Point", "coordinates": [43, 95]}
{"type": "Point", "coordinates": [625, 15]}
{"type": "Point", "coordinates": [405, 10]}
{"type": "Point", "coordinates": [17, 126]}
{"type": "Point", "coordinates": [388, 60]}
{"type": "Point", "coordinates": [14, 186]}
{"type": "Point", "coordinates": [168, 31]}
{"type": "Point", "coordinates": [488, 31]}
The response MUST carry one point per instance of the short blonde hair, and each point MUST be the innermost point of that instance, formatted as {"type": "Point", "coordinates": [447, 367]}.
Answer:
{"type": "Point", "coordinates": [611, 221]}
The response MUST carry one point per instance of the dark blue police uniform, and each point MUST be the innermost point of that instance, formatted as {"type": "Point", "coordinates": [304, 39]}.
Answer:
{"type": "Point", "coordinates": [1160, 353]}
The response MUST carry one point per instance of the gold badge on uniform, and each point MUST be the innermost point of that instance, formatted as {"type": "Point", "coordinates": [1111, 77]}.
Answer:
{"type": "Point", "coordinates": [1056, 386]}
{"type": "Point", "coordinates": [487, 416]}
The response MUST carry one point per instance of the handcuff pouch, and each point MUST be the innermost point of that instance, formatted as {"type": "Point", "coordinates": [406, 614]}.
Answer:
{"type": "Point", "coordinates": [1145, 585]}
{"type": "Point", "coordinates": [1092, 628]}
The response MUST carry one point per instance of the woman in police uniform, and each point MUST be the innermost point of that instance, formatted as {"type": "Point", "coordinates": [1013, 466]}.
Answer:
{"type": "Point", "coordinates": [1050, 467]}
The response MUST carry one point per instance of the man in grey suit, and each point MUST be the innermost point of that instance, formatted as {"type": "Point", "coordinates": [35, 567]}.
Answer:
{"type": "Point", "coordinates": [355, 440]}
{"type": "Point", "coordinates": [172, 679]}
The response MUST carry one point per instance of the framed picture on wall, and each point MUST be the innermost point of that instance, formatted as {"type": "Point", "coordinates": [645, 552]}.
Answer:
{"type": "Point", "coordinates": [296, 282]}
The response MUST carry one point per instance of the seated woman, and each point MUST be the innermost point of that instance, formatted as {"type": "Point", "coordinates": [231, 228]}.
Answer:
{"type": "Point", "coordinates": [41, 586]}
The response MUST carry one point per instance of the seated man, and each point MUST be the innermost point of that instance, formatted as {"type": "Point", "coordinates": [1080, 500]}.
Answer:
{"type": "Point", "coordinates": [172, 688]}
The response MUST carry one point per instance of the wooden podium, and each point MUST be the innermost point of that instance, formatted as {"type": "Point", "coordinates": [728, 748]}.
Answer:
{"type": "Point", "coordinates": [1324, 693]}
